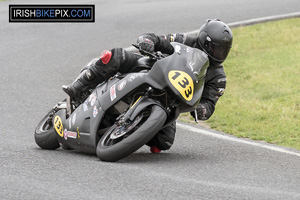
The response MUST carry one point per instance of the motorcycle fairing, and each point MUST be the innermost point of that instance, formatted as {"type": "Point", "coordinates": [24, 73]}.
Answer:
{"type": "Point", "coordinates": [86, 118]}
{"type": "Point", "coordinates": [183, 72]}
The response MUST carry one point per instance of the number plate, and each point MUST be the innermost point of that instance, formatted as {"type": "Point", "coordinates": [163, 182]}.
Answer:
{"type": "Point", "coordinates": [183, 83]}
{"type": "Point", "coordinates": [58, 126]}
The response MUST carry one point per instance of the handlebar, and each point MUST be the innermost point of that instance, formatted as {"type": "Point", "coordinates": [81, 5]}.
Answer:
{"type": "Point", "coordinates": [155, 55]}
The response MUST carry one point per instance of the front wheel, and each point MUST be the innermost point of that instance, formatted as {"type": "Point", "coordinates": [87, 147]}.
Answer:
{"type": "Point", "coordinates": [120, 141]}
{"type": "Point", "coordinates": [45, 135]}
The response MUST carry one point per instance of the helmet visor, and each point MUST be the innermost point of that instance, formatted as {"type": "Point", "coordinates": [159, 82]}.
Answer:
{"type": "Point", "coordinates": [217, 51]}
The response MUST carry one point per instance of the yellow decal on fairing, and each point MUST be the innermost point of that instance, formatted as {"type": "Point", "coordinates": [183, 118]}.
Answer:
{"type": "Point", "coordinates": [58, 126]}
{"type": "Point", "coordinates": [183, 83]}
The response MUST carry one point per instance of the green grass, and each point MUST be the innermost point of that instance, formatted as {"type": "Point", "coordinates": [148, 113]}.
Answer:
{"type": "Point", "coordinates": [262, 96]}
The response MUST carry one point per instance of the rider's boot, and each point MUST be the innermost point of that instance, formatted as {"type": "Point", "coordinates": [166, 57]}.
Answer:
{"type": "Point", "coordinates": [85, 81]}
{"type": "Point", "coordinates": [81, 84]}
{"type": "Point", "coordinates": [101, 70]}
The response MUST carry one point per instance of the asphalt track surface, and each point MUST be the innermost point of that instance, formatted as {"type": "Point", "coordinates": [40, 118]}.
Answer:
{"type": "Point", "coordinates": [36, 59]}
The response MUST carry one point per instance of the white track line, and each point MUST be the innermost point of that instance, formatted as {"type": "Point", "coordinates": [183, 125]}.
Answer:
{"type": "Point", "coordinates": [255, 21]}
{"type": "Point", "coordinates": [234, 139]}
{"type": "Point", "coordinates": [231, 138]}
{"type": "Point", "coordinates": [241, 23]}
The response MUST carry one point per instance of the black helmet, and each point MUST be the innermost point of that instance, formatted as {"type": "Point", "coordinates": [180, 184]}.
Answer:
{"type": "Point", "coordinates": [215, 38]}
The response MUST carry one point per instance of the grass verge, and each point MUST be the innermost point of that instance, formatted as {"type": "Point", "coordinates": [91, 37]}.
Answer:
{"type": "Point", "coordinates": [262, 96]}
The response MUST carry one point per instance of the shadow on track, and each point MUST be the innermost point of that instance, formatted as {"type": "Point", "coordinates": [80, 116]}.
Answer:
{"type": "Point", "coordinates": [141, 156]}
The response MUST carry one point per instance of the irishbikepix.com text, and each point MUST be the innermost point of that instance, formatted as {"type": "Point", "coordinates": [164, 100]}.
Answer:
{"type": "Point", "coordinates": [51, 13]}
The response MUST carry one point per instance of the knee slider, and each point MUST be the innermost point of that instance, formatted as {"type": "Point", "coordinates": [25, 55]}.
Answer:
{"type": "Point", "coordinates": [112, 58]}
{"type": "Point", "coordinates": [105, 56]}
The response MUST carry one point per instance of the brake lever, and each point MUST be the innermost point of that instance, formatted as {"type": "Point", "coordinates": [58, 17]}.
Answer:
{"type": "Point", "coordinates": [136, 46]}
{"type": "Point", "coordinates": [147, 53]}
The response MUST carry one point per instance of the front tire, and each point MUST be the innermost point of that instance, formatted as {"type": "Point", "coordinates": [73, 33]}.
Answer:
{"type": "Point", "coordinates": [45, 135]}
{"type": "Point", "coordinates": [119, 141]}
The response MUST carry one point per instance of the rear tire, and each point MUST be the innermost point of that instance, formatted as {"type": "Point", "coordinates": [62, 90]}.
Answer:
{"type": "Point", "coordinates": [119, 141]}
{"type": "Point", "coordinates": [45, 135]}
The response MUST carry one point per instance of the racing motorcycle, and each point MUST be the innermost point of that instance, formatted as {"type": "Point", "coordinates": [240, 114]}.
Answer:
{"type": "Point", "coordinates": [122, 114]}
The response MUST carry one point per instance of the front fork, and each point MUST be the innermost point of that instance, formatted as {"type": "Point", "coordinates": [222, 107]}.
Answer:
{"type": "Point", "coordinates": [122, 119]}
{"type": "Point", "coordinates": [141, 103]}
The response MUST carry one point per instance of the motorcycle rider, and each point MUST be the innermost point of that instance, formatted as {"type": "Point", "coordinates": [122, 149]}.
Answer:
{"type": "Point", "coordinates": [214, 38]}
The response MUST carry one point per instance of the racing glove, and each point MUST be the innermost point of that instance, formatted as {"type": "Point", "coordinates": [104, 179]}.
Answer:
{"type": "Point", "coordinates": [146, 45]}
{"type": "Point", "coordinates": [147, 42]}
{"type": "Point", "coordinates": [201, 113]}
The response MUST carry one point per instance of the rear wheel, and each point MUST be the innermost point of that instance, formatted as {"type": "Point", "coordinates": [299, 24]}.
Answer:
{"type": "Point", "coordinates": [45, 135]}
{"type": "Point", "coordinates": [122, 140]}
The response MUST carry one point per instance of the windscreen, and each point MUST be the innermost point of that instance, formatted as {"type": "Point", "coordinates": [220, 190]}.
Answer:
{"type": "Point", "coordinates": [197, 61]}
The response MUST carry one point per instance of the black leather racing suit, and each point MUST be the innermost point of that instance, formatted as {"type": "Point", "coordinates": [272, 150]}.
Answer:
{"type": "Point", "coordinates": [215, 80]}
{"type": "Point", "coordinates": [124, 61]}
